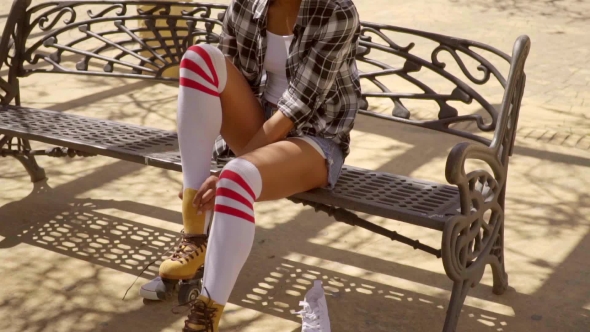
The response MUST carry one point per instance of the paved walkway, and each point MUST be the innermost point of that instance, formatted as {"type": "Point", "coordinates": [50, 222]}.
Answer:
{"type": "Point", "coordinates": [71, 247]}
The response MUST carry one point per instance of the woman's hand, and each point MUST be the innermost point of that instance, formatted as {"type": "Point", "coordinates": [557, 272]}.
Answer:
{"type": "Point", "coordinates": [205, 197]}
{"type": "Point", "coordinates": [274, 129]}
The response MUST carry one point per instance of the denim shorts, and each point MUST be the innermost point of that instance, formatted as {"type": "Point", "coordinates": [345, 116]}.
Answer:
{"type": "Point", "coordinates": [325, 147]}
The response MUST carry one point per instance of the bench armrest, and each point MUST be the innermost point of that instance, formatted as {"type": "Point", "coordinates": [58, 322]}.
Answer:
{"type": "Point", "coordinates": [475, 238]}
{"type": "Point", "coordinates": [456, 173]}
{"type": "Point", "coordinates": [470, 239]}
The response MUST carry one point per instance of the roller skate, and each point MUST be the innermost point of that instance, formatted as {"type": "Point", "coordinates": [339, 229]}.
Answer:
{"type": "Point", "coordinates": [204, 316]}
{"type": "Point", "coordinates": [182, 272]}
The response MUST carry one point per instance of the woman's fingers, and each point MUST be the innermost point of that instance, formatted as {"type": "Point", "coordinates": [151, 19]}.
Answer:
{"type": "Point", "coordinates": [208, 199]}
{"type": "Point", "coordinates": [204, 198]}
{"type": "Point", "coordinates": [199, 195]}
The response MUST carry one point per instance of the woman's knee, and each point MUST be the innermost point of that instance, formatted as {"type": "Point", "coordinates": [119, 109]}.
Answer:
{"type": "Point", "coordinates": [242, 175]}
{"type": "Point", "coordinates": [207, 62]}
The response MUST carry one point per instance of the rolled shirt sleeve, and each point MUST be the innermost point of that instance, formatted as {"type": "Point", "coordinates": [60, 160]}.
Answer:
{"type": "Point", "coordinates": [228, 42]}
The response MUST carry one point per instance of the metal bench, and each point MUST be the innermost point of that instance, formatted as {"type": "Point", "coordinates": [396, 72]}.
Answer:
{"type": "Point", "coordinates": [146, 39]}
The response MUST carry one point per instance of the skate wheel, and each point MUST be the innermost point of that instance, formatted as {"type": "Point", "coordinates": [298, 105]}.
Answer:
{"type": "Point", "coordinates": [188, 292]}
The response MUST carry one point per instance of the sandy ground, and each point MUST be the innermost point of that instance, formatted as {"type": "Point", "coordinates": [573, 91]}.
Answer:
{"type": "Point", "coordinates": [71, 246]}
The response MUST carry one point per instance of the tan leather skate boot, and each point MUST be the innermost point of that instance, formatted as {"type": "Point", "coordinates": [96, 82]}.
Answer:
{"type": "Point", "coordinates": [204, 316]}
{"type": "Point", "coordinates": [189, 255]}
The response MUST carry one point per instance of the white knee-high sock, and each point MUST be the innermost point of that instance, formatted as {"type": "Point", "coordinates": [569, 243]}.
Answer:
{"type": "Point", "coordinates": [203, 75]}
{"type": "Point", "coordinates": [232, 232]}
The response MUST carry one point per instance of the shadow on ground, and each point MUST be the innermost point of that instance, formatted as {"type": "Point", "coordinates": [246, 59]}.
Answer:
{"type": "Point", "coordinates": [76, 228]}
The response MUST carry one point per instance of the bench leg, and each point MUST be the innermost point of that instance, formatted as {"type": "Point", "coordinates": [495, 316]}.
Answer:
{"type": "Point", "coordinates": [458, 296]}
{"type": "Point", "coordinates": [470, 243]}
{"type": "Point", "coordinates": [498, 270]}
{"type": "Point", "coordinates": [461, 288]}
{"type": "Point", "coordinates": [36, 172]}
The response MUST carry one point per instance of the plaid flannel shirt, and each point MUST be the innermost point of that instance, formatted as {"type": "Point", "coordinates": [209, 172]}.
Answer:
{"type": "Point", "coordinates": [324, 90]}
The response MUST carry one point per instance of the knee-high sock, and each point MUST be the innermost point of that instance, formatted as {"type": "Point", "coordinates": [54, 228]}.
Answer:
{"type": "Point", "coordinates": [203, 75]}
{"type": "Point", "coordinates": [232, 232]}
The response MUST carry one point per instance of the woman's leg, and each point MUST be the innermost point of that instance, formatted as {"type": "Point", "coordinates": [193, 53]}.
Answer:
{"type": "Point", "coordinates": [213, 97]}
{"type": "Point", "coordinates": [271, 172]}
{"type": "Point", "coordinates": [288, 167]}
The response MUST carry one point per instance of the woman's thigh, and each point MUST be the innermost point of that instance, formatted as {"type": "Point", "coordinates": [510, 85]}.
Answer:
{"type": "Point", "coordinates": [242, 114]}
{"type": "Point", "coordinates": [288, 167]}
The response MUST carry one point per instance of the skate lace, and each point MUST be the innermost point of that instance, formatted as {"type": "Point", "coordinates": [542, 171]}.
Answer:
{"type": "Point", "coordinates": [311, 320]}
{"type": "Point", "coordinates": [189, 247]}
{"type": "Point", "coordinates": [201, 314]}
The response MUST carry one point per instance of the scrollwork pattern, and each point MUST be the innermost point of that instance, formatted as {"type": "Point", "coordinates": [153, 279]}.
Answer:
{"type": "Point", "coordinates": [486, 70]}
{"type": "Point", "coordinates": [470, 239]}
{"type": "Point", "coordinates": [160, 47]}
{"type": "Point", "coordinates": [206, 12]}
{"type": "Point", "coordinates": [41, 14]}
{"type": "Point", "coordinates": [142, 47]}
{"type": "Point", "coordinates": [162, 9]}
{"type": "Point", "coordinates": [63, 11]}
{"type": "Point", "coordinates": [9, 42]}
{"type": "Point", "coordinates": [366, 37]}
{"type": "Point", "coordinates": [375, 37]}
{"type": "Point", "coordinates": [475, 238]}
{"type": "Point", "coordinates": [122, 11]}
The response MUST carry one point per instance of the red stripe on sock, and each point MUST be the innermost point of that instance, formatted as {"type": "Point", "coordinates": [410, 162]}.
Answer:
{"type": "Point", "coordinates": [195, 68]}
{"type": "Point", "coordinates": [226, 192]}
{"type": "Point", "coordinates": [200, 51]}
{"type": "Point", "coordinates": [235, 177]}
{"type": "Point", "coordinates": [186, 82]}
{"type": "Point", "coordinates": [234, 212]}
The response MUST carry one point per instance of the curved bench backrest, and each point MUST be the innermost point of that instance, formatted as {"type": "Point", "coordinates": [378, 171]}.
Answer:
{"type": "Point", "coordinates": [402, 80]}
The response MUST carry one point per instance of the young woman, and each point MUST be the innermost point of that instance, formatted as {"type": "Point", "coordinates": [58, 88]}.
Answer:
{"type": "Point", "coordinates": [282, 89]}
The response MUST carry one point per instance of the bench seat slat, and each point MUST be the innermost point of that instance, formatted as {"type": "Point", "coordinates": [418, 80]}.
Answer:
{"type": "Point", "coordinates": [418, 202]}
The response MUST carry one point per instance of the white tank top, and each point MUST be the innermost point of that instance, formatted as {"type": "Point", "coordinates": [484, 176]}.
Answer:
{"type": "Point", "coordinates": [275, 64]}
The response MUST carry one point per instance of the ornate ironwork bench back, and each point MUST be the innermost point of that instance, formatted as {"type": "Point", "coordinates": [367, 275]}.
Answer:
{"type": "Point", "coordinates": [146, 40]}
